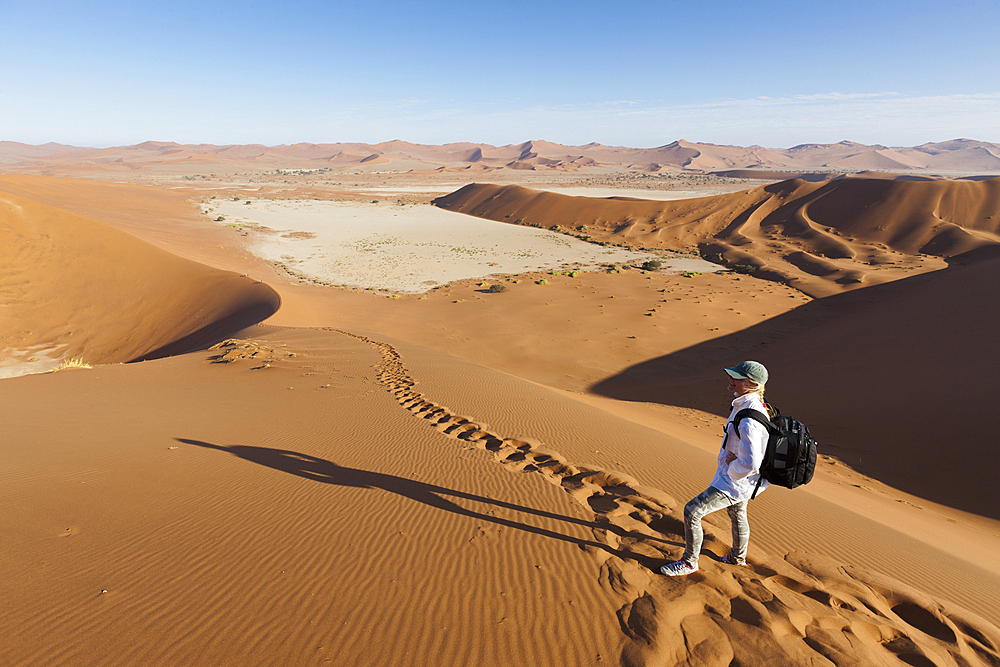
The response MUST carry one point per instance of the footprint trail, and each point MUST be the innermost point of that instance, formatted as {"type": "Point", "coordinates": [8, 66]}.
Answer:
{"type": "Point", "coordinates": [800, 609]}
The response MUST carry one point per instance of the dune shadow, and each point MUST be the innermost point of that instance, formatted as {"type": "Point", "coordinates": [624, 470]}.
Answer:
{"type": "Point", "coordinates": [438, 497]}
{"type": "Point", "coordinates": [857, 368]}
{"type": "Point", "coordinates": [256, 308]}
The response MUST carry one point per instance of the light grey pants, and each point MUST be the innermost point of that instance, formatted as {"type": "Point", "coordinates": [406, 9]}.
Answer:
{"type": "Point", "coordinates": [708, 501]}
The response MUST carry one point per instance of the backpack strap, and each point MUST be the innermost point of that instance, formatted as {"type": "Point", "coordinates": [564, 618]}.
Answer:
{"type": "Point", "coordinates": [758, 416]}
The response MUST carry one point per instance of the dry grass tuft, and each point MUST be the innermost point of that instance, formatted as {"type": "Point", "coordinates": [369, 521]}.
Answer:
{"type": "Point", "coordinates": [75, 362]}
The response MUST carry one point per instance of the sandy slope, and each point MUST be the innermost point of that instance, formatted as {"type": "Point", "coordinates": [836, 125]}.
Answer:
{"type": "Point", "coordinates": [353, 496]}
{"type": "Point", "coordinates": [306, 505]}
{"type": "Point", "coordinates": [165, 218]}
{"type": "Point", "coordinates": [74, 287]}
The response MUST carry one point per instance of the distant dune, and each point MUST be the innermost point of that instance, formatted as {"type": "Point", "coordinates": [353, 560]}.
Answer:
{"type": "Point", "coordinates": [820, 237]}
{"type": "Point", "coordinates": [959, 155]}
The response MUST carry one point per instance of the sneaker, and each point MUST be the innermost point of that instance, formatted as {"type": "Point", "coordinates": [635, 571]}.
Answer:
{"type": "Point", "coordinates": [729, 559]}
{"type": "Point", "coordinates": [678, 569]}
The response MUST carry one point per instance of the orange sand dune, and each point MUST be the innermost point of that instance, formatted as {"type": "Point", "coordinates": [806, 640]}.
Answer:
{"type": "Point", "coordinates": [73, 287]}
{"type": "Point", "coordinates": [821, 238]}
{"type": "Point", "coordinates": [304, 497]}
{"type": "Point", "coordinates": [345, 494]}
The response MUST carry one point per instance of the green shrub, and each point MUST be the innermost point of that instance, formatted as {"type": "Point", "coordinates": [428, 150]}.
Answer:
{"type": "Point", "coordinates": [497, 288]}
{"type": "Point", "coordinates": [651, 265]}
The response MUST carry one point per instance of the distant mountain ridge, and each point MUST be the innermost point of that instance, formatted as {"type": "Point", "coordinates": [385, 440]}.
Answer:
{"type": "Point", "coordinates": [957, 155]}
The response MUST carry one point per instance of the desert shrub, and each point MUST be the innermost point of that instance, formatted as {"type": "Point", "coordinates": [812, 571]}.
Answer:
{"type": "Point", "coordinates": [543, 281]}
{"type": "Point", "coordinates": [75, 362]}
{"type": "Point", "coordinates": [497, 288]}
{"type": "Point", "coordinates": [744, 268]}
{"type": "Point", "coordinates": [651, 265]}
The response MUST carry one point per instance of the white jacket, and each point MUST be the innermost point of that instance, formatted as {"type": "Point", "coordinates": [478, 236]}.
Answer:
{"type": "Point", "coordinates": [738, 479]}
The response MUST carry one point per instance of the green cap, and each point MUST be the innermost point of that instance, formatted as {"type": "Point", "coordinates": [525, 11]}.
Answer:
{"type": "Point", "coordinates": [749, 370]}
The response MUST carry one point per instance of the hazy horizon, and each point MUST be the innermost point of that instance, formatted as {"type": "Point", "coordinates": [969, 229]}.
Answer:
{"type": "Point", "coordinates": [476, 143]}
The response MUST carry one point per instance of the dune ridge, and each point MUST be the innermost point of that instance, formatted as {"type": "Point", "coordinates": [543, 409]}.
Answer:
{"type": "Point", "coordinates": [821, 238]}
{"type": "Point", "coordinates": [75, 287]}
{"type": "Point", "coordinates": [919, 344]}
{"type": "Point", "coordinates": [772, 613]}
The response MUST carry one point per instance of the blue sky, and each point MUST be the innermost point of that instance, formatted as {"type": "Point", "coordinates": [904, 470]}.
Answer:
{"type": "Point", "coordinates": [627, 73]}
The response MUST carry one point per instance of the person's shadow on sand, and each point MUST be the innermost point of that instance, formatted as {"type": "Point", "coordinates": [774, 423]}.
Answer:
{"type": "Point", "coordinates": [327, 472]}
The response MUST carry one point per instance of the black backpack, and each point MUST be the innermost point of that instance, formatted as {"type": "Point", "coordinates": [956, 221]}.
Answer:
{"type": "Point", "coordinates": [790, 458]}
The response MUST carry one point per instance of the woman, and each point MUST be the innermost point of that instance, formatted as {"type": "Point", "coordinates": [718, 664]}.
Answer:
{"type": "Point", "coordinates": [739, 469]}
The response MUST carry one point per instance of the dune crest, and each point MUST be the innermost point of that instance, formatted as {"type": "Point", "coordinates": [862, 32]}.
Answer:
{"type": "Point", "coordinates": [789, 610]}
{"type": "Point", "coordinates": [821, 238]}
{"type": "Point", "coordinates": [74, 287]}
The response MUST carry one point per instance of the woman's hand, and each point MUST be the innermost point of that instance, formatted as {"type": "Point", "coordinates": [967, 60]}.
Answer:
{"type": "Point", "coordinates": [730, 457]}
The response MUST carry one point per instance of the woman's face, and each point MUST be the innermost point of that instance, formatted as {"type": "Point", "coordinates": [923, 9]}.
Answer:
{"type": "Point", "coordinates": [739, 387]}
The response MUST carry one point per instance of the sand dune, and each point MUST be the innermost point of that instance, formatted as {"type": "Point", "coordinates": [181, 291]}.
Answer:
{"type": "Point", "coordinates": [821, 238]}
{"type": "Point", "coordinates": [394, 484]}
{"type": "Point", "coordinates": [76, 288]}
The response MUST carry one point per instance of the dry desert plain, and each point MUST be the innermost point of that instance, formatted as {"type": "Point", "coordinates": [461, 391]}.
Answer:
{"type": "Point", "coordinates": [293, 472]}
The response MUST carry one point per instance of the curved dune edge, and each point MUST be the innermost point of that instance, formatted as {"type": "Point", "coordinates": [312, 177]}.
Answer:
{"type": "Point", "coordinates": [821, 238]}
{"type": "Point", "coordinates": [778, 611]}
{"type": "Point", "coordinates": [76, 288]}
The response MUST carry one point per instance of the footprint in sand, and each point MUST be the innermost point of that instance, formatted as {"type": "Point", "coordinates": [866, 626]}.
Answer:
{"type": "Point", "coordinates": [796, 610]}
